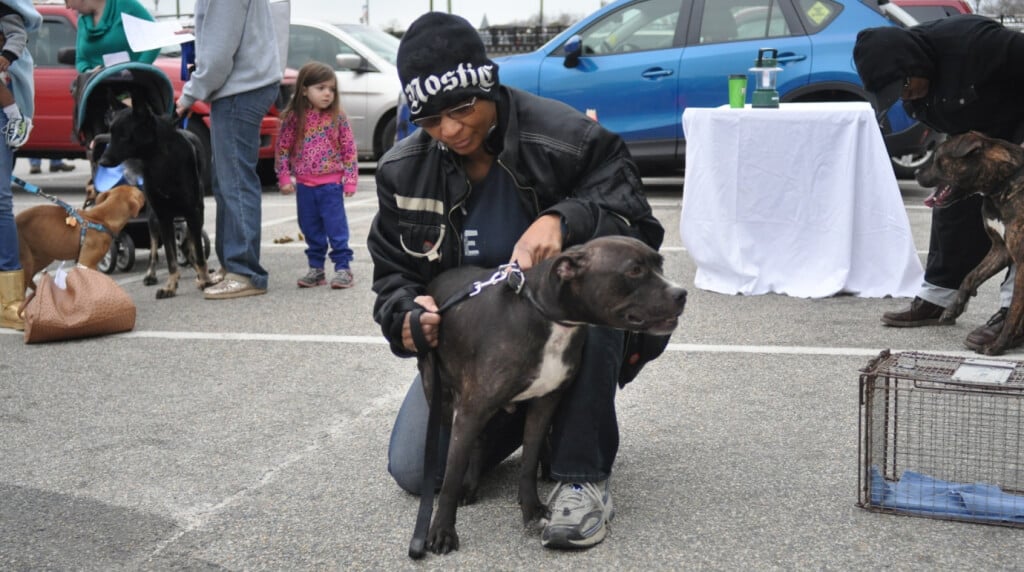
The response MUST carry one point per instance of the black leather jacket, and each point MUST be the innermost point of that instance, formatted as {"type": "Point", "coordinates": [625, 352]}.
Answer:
{"type": "Point", "coordinates": [561, 161]}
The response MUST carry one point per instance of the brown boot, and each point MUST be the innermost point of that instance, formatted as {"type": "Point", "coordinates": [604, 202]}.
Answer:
{"type": "Point", "coordinates": [983, 336]}
{"type": "Point", "coordinates": [920, 313]}
{"type": "Point", "coordinates": [12, 293]}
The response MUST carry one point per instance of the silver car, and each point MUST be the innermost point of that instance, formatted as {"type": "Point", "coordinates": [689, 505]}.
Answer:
{"type": "Point", "coordinates": [364, 61]}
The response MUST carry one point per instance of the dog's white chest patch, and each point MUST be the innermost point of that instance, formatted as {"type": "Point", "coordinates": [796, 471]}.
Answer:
{"type": "Point", "coordinates": [553, 370]}
{"type": "Point", "coordinates": [997, 225]}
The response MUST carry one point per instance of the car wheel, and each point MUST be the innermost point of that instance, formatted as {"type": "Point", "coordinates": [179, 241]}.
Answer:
{"type": "Point", "coordinates": [199, 129]}
{"type": "Point", "coordinates": [906, 165]}
{"type": "Point", "coordinates": [386, 140]}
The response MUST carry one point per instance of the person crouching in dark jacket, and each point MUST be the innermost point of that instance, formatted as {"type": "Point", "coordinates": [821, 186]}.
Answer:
{"type": "Point", "coordinates": [957, 74]}
{"type": "Point", "coordinates": [494, 175]}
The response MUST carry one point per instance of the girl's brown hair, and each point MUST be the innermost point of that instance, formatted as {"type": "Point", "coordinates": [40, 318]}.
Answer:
{"type": "Point", "coordinates": [311, 73]}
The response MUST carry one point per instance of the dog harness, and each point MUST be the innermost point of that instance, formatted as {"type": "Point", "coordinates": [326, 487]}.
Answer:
{"type": "Point", "coordinates": [72, 212]}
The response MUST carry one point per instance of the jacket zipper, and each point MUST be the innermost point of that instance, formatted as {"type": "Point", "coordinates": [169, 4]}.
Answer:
{"type": "Point", "coordinates": [533, 193]}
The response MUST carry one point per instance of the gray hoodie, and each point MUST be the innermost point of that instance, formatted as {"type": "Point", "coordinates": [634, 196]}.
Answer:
{"type": "Point", "coordinates": [236, 50]}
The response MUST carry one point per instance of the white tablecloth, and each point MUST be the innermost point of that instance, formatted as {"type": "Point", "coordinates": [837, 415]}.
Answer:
{"type": "Point", "coordinates": [799, 200]}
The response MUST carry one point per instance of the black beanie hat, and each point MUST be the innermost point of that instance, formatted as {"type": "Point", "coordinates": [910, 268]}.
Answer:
{"type": "Point", "coordinates": [442, 62]}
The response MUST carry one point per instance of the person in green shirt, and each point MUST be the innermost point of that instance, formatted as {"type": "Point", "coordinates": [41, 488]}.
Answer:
{"type": "Point", "coordinates": [101, 31]}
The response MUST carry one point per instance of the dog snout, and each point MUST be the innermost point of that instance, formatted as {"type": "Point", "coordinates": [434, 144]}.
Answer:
{"type": "Point", "coordinates": [678, 296]}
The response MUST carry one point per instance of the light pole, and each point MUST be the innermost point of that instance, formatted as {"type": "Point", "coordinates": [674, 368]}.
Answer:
{"type": "Point", "coordinates": [541, 13]}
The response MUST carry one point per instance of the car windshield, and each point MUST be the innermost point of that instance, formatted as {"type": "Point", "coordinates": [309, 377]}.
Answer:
{"type": "Point", "coordinates": [383, 43]}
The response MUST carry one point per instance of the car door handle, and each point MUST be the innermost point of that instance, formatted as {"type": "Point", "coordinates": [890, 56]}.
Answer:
{"type": "Point", "coordinates": [655, 73]}
{"type": "Point", "coordinates": [785, 58]}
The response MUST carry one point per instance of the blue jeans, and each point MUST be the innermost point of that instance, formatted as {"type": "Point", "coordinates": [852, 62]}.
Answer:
{"type": "Point", "coordinates": [235, 137]}
{"type": "Point", "coordinates": [584, 438]}
{"type": "Point", "coordinates": [322, 220]}
{"type": "Point", "coordinates": [8, 231]}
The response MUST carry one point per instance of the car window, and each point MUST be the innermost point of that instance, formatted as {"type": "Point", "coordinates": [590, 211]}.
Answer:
{"type": "Point", "coordinates": [816, 14]}
{"type": "Point", "coordinates": [384, 44]}
{"type": "Point", "coordinates": [929, 13]}
{"type": "Point", "coordinates": [760, 19]}
{"type": "Point", "coordinates": [312, 44]}
{"type": "Point", "coordinates": [648, 25]}
{"type": "Point", "coordinates": [53, 35]}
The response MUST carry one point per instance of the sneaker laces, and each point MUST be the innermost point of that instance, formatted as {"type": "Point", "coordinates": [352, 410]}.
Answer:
{"type": "Point", "coordinates": [573, 497]}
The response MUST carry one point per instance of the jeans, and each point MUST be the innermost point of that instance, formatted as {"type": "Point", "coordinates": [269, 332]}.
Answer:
{"type": "Point", "coordinates": [584, 436]}
{"type": "Point", "coordinates": [8, 231]}
{"type": "Point", "coordinates": [322, 220]}
{"type": "Point", "coordinates": [235, 138]}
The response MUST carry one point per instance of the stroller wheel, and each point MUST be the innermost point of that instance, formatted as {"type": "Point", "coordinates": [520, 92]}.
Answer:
{"type": "Point", "coordinates": [125, 257]}
{"type": "Point", "coordinates": [181, 243]}
{"type": "Point", "coordinates": [109, 261]}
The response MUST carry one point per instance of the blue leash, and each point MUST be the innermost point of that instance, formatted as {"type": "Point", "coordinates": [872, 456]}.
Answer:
{"type": "Point", "coordinates": [82, 223]}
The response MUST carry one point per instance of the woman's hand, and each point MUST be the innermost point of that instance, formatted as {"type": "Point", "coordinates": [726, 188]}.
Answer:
{"type": "Point", "coordinates": [541, 241]}
{"type": "Point", "coordinates": [430, 323]}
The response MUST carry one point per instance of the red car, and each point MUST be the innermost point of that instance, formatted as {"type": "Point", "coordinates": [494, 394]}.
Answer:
{"type": "Point", "coordinates": [53, 129]}
{"type": "Point", "coordinates": [928, 10]}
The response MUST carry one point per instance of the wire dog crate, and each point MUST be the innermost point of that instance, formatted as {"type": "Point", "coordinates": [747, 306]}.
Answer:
{"type": "Point", "coordinates": [942, 437]}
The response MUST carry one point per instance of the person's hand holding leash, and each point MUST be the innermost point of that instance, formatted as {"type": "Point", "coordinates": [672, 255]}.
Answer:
{"type": "Point", "coordinates": [541, 241]}
{"type": "Point", "coordinates": [430, 323]}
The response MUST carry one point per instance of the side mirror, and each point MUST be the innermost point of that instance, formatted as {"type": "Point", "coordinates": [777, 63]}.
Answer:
{"type": "Point", "coordinates": [66, 56]}
{"type": "Point", "coordinates": [573, 49]}
{"type": "Point", "coordinates": [349, 62]}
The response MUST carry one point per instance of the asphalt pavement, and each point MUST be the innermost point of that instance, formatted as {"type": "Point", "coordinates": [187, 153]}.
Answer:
{"type": "Point", "coordinates": [250, 434]}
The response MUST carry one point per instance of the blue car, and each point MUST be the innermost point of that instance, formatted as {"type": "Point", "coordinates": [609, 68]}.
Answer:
{"type": "Point", "coordinates": [637, 64]}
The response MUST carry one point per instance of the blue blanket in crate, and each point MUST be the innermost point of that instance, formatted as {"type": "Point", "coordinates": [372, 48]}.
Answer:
{"type": "Point", "coordinates": [921, 494]}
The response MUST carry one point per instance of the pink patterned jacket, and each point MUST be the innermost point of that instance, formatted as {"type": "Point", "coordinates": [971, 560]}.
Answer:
{"type": "Point", "coordinates": [328, 152]}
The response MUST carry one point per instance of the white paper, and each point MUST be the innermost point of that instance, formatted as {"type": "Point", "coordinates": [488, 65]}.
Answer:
{"type": "Point", "coordinates": [144, 35]}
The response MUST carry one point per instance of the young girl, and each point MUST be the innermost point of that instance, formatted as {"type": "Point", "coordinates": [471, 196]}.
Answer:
{"type": "Point", "coordinates": [316, 147]}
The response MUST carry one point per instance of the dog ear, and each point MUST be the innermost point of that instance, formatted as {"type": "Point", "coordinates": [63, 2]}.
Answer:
{"type": "Point", "coordinates": [967, 144]}
{"type": "Point", "coordinates": [101, 197]}
{"type": "Point", "coordinates": [137, 200]}
{"type": "Point", "coordinates": [569, 264]}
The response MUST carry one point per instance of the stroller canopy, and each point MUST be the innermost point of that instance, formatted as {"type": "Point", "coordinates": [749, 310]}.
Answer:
{"type": "Point", "coordinates": [105, 90]}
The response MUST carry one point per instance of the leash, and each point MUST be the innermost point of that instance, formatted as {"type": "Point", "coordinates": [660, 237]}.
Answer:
{"type": "Point", "coordinates": [72, 212]}
{"type": "Point", "coordinates": [513, 276]}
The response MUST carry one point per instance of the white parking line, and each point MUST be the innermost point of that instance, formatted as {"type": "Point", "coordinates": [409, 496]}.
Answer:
{"type": "Point", "coordinates": [379, 341]}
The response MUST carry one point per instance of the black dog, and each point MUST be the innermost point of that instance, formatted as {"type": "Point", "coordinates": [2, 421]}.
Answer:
{"type": "Point", "coordinates": [174, 166]}
{"type": "Point", "coordinates": [531, 348]}
{"type": "Point", "coordinates": [973, 163]}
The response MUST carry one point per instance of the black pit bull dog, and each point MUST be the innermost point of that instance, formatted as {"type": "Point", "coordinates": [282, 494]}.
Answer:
{"type": "Point", "coordinates": [503, 347]}
{"type": "Point", "coordinates": [973, 163]}
{"type": "Point", "coordinates": [174, 167]}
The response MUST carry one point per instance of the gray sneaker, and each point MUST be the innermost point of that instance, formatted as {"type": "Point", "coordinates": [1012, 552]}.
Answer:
{"type": "Point", "coordinates": [315, 277]}
{"type": "Point", "coordinates": [579, 515]}
{"type": "Point", "coordinates": [342, 279]}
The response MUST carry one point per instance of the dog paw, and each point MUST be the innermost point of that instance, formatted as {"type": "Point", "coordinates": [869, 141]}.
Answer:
{"type": "Point", "coordinates": [149, 280]}
{"type": "Point", "coordinates": [535, 515]}
{"type": "Point", "coordinates": [996, 349]}
{"type": "Point", "coordinates": [442, 540]}
{"type": "Point", "coordinates": [164, 293]}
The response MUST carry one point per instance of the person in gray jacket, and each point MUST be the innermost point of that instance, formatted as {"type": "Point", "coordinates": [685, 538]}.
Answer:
{"type": "Point", "coordinates": [495, 174]}
{"type": "Point", "coordinates": [238, 71]}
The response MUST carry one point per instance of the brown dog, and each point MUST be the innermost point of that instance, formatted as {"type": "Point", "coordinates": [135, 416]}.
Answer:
{"type": "Point", "coordinates": [973, 163]}
{"type": "Point", "coordinates": [44, 234]}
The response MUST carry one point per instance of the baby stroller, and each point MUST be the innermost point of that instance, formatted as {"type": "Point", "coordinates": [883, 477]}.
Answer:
{"type": "Point", "coordinates": [98, 95]}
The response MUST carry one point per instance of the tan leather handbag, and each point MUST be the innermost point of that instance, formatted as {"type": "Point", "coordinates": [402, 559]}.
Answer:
{"type": "Point", "coordinates": [91, 304]}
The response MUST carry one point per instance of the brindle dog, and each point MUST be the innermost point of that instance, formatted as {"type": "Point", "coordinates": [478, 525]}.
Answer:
{"type": "Point", "coordinates": [973, 163]}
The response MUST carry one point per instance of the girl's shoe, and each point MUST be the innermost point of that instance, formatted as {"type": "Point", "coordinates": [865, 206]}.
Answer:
{"type": "Point", "coordinates": [315, 277]}
{"type": "Point", "coordinates": [342, 279]}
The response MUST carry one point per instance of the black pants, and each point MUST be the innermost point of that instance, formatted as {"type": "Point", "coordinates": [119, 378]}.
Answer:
{"type": "Point", "coordinates": [584, 436]}
{"type": "Point", "coordinates": [958, 243]}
